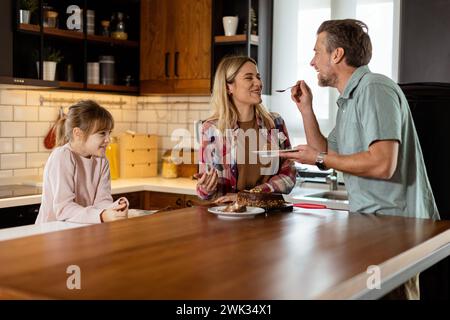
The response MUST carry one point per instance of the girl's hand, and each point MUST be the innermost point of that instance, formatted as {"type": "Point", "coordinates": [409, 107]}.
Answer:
{"type": "Point", "coordinates": [118, 213]}
{"type": "Point", "coordinates": [208, 181]}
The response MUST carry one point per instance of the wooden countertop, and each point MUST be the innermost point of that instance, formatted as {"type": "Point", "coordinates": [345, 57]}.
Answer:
{"type": "Point", "coordinates": [192, 254]}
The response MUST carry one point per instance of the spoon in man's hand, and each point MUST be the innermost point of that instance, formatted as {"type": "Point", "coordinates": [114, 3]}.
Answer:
{"type": "Point", "coordinates": [286, 88]}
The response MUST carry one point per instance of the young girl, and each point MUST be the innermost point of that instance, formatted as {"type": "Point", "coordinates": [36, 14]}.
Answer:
{"type": "Point", "coordinates": [77, 186]}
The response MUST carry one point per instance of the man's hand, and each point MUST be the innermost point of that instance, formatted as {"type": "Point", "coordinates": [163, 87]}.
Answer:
{"type": "Point", "coordinates": [305, 154]}
{"type": "Point", "coordinates": [302, 96]}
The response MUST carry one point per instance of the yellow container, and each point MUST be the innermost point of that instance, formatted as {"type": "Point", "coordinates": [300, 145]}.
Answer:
{"type": "Point", "coordinates": [112, 153]}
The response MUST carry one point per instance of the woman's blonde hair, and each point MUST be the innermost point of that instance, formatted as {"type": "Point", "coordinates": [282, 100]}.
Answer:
{"type": "Point", "coordinates": [87, 115]}
{"type": "Point", "coordinates": [224, 109]}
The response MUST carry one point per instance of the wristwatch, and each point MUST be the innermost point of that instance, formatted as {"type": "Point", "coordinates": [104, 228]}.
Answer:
{"type": "Point", "coordinates": [320, 161]}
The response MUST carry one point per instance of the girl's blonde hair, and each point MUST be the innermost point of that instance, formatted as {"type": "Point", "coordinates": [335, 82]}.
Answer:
{"type": "Point", "coordinates": [87, 115]}
{"type": "Point", "coordinates": [224, 109]}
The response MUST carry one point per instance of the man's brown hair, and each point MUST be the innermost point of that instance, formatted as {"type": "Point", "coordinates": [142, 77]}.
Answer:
{"type": "Point", "coordinates": [350, 35]}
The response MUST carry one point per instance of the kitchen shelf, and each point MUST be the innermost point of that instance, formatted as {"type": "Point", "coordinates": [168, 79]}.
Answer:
{"type": "Point", "coordinates": [102, 87]}
{"type": "Point", "coordinates": [112, 41]}
{"type": "Point", "coordinates": [71, 85]}
{"type": "Point", "coordinates": [239, 38]}
{"type": "Point", "coordinates": [56, 32]}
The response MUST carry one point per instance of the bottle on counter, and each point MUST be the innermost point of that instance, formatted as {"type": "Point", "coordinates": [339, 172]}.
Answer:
{"type": "Point", "coordinates": [112, 153]}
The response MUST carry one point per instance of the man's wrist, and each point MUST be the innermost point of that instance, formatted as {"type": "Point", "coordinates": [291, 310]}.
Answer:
{"type": "Point", "coordinates": [320, 161]}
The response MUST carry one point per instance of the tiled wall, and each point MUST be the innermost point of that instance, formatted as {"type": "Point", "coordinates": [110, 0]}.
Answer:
{"type": "Point", "coordinates": [27, 115]}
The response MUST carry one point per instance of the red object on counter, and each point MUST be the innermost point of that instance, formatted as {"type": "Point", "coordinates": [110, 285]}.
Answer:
{"type": "Point", "coordinates": [310, 205]}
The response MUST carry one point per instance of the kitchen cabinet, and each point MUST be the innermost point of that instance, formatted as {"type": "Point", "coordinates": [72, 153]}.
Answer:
{"type": "Point", "coordinates": [150, 200]}
{"type": "Point", "coordinates": [175, 47]}
{"type": "Point", "coordinates": [40, 37]}
{"type": "Point", "coordinates": [18, 216]}
{"type": "Point", "coordinates": [253, 37]}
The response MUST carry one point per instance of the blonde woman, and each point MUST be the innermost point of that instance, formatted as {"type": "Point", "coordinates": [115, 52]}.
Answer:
{"type": "Point", "coordinates": [239, 126]}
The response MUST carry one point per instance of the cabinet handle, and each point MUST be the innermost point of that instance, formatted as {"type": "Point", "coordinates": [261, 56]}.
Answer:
{"type": "Point", "coordinates": [178, 202]}
{"type": "Point", "coordinates": [176, 63]}
{"type": "Point", "coordinates": [166, 64]}
{"type": "Point", "coordinates": [189, 203]}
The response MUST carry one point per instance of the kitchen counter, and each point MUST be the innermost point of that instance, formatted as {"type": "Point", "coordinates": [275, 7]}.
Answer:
{"type": "Point", "coordinates": [158, 184]}
{"type": "Point", "coordinates": [192, 254]}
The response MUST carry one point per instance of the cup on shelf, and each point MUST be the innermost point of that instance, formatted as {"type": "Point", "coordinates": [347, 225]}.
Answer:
{"type": "Point", "coordinates": [93, 72]}
{"type": "Point", "coordinates": [230, 24]}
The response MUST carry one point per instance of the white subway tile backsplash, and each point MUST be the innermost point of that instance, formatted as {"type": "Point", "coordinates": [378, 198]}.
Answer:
{"type": "Point", "coordinates": [6, 173]}
{"type": "Point", "coordinates": [193, 116]}
{"type": "Point", "coordinates": [6, 113]}
{"type": "Point", "coordinates": [25, 145]}
{"type": "Point", "coordinates": [130, 115]}
{"type": "Point", "coordinates": [205, 115]}
{"type": "Point", "coordinates": [155, 99]}
{"type": "Point", "coordinates": [34, 97]}
{"type": "Point", "coordinates": [146, 116]}
{"type": "Point", "coordinates": [6, 145]}
{"type": "Point", "coordinates": [48, 114]}
{"type": "Point", "coordinates": [13, 97]}
{"type": "Point", "coordinates": [13, 129]}
{"type": "Point", "coordinates": [141, 127]}
{"type": "Point", "coordinates": [174, 126]}
{"type": "Point", "coordinates": [13, 161]}
{"type": "Point", "coordinates": [199, 106]}
{"type": "Point", "coordinates": [167, 143]}
{"type": "Point", "coordinates": [121, 127]}
{"type": "Point", "coordinates": [162, 129]}
{"type": "Point", "coordinates": [199, 99]}
{"type": "Point", "coordinates": [117, 115]}
{"type": "Point", "coordinates": [179, 106]}
{"type": "Point", "coordinates": [26, 172]}
{"type": "Point", "coordinates": [182, 116]}
{"type": "Point", "coordinates": [37, 160]}
{"type": "Point", "coordinates": [177, 99]}
{"type": "Point", "coordinates": [152, 128]}
{"type": "Point", "coordinates": [26, 114]}
{"type": "Point", "coordinates": [38, 129]}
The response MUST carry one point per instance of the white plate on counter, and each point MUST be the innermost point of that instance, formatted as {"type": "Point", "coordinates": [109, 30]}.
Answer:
{"type": "Point", "coordinates": [272, 153]}
{"type": "Point", "coordinates": [251, 212]}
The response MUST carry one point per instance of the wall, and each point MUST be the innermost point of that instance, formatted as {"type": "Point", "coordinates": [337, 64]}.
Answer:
{"type": "Point", "coordinates": [27, 115]}
{"type": "Point", "coordinates": [425, 41]}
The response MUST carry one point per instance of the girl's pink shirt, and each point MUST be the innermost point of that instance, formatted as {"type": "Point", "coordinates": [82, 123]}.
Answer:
{"type": "Point", "coordinates": [75, 188]}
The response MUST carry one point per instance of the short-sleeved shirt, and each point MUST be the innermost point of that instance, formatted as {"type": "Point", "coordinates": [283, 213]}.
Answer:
{"type": "Point", "coordinates": [371, 108]}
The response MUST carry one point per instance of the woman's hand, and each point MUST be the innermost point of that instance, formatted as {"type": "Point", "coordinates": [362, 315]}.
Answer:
{"type": "Point", "coordinates": [207, 181]}
{"type": "Point", "coordinates": [229, 197]}
{"type": "Point", "coordinates": [302, 96]}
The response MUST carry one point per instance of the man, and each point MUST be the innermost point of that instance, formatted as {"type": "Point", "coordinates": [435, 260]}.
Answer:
{"type": "Point", "coordinates": [374, 142]}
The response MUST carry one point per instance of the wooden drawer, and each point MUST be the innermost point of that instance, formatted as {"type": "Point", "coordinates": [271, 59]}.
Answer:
{"type": "Point", "coordinates": [140, 156]}
{"type": "Point", "coordinates": [140, 170]}
{"type": "Point", "coordinates": [138, 141]}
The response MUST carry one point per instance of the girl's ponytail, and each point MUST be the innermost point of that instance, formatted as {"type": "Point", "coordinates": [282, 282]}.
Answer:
{"type": "Point", "coordinates": [61, 136]}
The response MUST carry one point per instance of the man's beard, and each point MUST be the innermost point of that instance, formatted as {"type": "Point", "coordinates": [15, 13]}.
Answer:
{"type": "Point", "coordinates": [327, 81]}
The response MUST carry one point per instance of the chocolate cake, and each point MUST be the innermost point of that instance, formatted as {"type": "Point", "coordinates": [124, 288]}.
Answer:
{"type": "Point", "coordinates": [266, 200]}
{"type": "Point", "coordinates": [235, 207]}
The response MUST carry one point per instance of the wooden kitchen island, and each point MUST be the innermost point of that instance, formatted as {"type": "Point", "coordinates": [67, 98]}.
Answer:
{"type": "Point", "coordinates": [192, 254]}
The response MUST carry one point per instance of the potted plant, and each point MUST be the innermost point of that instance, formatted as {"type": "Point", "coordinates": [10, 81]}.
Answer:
{"type": "Point", "coordinates": [50, 59]}
{"type": "Point", "coordinates": [27, 7]}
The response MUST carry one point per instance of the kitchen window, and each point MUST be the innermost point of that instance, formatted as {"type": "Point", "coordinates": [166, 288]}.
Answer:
{"type": "Point", "coordinates": [294, 34]}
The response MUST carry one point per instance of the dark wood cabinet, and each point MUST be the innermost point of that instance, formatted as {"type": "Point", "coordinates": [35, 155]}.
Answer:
{"type": "Point", "coordinates": [253, 37]}
{"type": "Point", "coordinates": [150, 200]}
{"type": "Point", "coordinates": [34, 41]}
{"type": "Point", "coordinates": [175, 46]}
